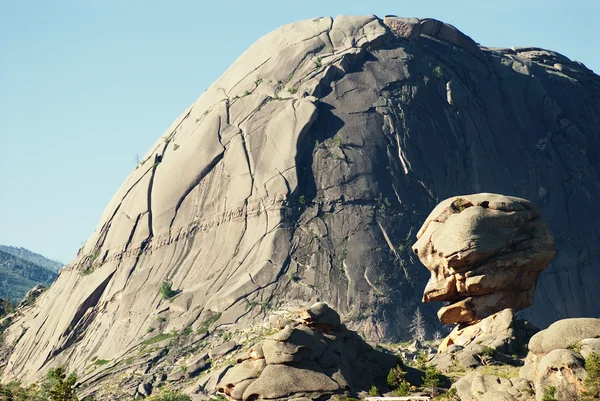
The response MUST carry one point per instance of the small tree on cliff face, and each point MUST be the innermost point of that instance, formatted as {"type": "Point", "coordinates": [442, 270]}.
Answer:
{"type": "Point", "coordinates": [417, 326]}
{"type": "Point", "coordinates": [62, 388]}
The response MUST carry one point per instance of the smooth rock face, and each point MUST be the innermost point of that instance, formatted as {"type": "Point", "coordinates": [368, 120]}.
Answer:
{"type": "Point", "coordinates": [589, 346]}
{"type": "Point", "coordinates": [223, 349]}
{"type": "Point", "coordinates": [484, 252]}
{"type": "Point", "coordinates": [564, 334]}
{"type": "Point", "coordinates": [303, 173]}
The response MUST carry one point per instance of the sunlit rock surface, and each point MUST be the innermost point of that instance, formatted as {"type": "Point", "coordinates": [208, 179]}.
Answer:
{"type": "Point", "coordinates": [304, 173]}
{"type": "Point", "coordinates": [484, 252]}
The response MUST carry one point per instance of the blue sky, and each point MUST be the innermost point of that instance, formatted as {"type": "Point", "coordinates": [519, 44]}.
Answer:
{"type": "Point", "coordinates": [87, 85]}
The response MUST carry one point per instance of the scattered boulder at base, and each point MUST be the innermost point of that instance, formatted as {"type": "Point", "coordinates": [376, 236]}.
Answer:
{"type": "Point", "coordinates": [500, 331]}
{"type": "Point", "coordinates": [557, 357]}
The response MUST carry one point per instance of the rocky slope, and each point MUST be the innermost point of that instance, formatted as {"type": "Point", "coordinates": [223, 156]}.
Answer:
{"type": "Point", "coordinates": [303, 174]}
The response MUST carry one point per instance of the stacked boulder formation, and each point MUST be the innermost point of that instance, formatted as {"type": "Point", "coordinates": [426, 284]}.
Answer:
{"type": "Point", "coordinates": [485, 253]}
{"type": "Point", "coordinates": [311, 357]}
{"type": "Point", "coordinates": [556, 359]}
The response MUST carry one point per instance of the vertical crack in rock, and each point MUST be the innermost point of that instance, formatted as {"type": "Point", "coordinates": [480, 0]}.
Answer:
{"type": "Point", "coordinates": [106, 227]}
{"type": "Point", "coordinates": [131, 234]}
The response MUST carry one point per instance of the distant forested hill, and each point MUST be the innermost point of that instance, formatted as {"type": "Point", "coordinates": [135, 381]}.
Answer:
{"type": "Point", "coordinates": [17, 276]}
{"type": "Point", "coordinates": [32, 257]}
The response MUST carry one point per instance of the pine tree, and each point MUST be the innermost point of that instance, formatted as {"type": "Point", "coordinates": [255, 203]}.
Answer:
{"type": "Point", "coordinates": [433, 378]}
{"type": "Point", "coordinates": [63, 387]}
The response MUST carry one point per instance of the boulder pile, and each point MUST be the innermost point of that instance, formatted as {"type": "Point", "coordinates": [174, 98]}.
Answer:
{"type": "Point", "coordinates": [312, 356]}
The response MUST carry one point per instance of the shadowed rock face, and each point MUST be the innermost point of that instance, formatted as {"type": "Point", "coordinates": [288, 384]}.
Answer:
{"type": "Point", "coordinates": [303, 174]}
{"type": "Point", "coordinates": [484, 252]}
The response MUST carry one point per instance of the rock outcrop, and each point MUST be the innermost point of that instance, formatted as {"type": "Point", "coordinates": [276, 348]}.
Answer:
{"type": "Point", "coordinates": [479, 387]}
{"type": "Point", "coordinates": [303, 173]}
{"type": "Point", "coordinates": [484, 252]}
{"type": "Point", "coordinates": [468, 347]}
{"type": "Point", "coordinates": [310, 358]}
{"type": "Point", "coordinates": [557, 357]}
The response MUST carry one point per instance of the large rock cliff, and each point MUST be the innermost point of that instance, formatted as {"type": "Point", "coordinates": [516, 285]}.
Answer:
{"type": "Point", "coordinates": [303, 173]}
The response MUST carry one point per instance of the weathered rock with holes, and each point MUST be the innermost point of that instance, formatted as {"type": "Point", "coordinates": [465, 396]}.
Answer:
{"type": "Point", "coordinates": [562, 369]}
{"type": "Point", "coordinates": [302, 175]}
{"type": "Point", "coordinates": [484, 252]}
{"type": "Point", "coordinates": [308, 358]}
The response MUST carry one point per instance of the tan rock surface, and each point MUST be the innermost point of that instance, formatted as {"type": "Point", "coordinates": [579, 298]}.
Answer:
{"type": "Point", "coordinates": [302, 174]}
{"type": "Point", "coordinates": [303, 360]}
{"type": "Point", "coordinates": [499, 326]}
{"type": "Point", "coordinates": [478, 387]}
{"type": "Point", "coordinates": [484, 252]}
{"type": "Point", "coordinates": [563, 334]}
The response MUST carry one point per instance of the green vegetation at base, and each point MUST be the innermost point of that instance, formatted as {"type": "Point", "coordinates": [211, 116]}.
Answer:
{"type": "Point", "coordinates": [397, 382]}
{"type": "Point", "coordinates": [373, 392]}
{"type": "Point", "coordinates": [166, 290]}
{"type": "Point", "coordinates": [421, 360]}
{"type": "Point", "coordinates": [56, 387]}
{"type": "Point", "coordinates": [207, 323]}
{"type": "Point", "coordinates": [432, 379]}
{"type": "Point", "coordinates": [450, 395]}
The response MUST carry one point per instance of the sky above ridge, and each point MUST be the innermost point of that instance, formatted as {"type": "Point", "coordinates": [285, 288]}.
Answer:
{"type": "Point", "coordinates": [87, 86]}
